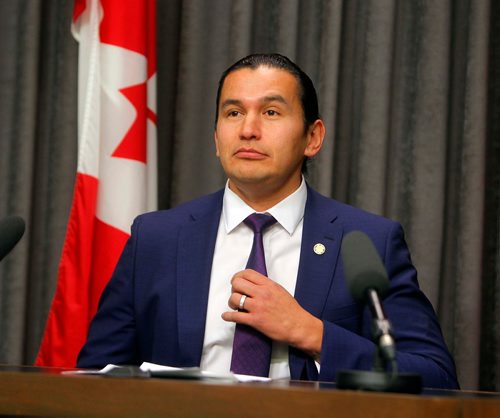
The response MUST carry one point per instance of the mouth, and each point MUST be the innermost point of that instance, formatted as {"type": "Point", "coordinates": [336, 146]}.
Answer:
{"type": "Point", "coordinates": [249, 153]}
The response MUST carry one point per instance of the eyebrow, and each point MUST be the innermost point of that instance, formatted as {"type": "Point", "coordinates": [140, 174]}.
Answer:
{"type": "Point", "coordinates": [265, 99]}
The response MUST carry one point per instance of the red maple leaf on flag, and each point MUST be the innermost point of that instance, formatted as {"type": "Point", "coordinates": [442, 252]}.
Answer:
{"type": "Point", "coordinates": [133, 146]}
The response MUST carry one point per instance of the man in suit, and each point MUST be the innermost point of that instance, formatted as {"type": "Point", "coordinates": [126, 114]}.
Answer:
{"type": "Point", "coordinates": [181, 285]}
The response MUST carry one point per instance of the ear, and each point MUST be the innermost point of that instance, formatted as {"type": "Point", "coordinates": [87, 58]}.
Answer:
{"type": "Point", "coordinates": [315, 136]}
{"type": "Point", "coordinates": [216, 140]}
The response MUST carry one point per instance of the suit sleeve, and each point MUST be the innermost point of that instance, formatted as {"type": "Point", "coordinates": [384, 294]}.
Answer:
{"type": "Point", "coordinates": [419, 342]}
{"type": "Point", "coordinates": [112, 335]}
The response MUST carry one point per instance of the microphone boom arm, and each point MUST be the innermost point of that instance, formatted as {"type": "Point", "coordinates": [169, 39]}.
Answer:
{"type": "Point", "coordinates": [381, 333]}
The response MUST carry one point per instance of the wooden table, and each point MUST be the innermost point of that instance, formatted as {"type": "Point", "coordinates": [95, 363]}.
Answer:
{"type": "Point", "coordinates": [47, 392]}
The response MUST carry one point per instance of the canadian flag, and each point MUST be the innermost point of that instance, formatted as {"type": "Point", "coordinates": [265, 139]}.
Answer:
{"type": "Point", "coordinates": [116, 178]}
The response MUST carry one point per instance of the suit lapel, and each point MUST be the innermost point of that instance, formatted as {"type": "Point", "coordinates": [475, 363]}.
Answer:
{"type": "Point", "coordinates": [320, 249]}
{"type": "Point", "coordinates": [195, 254]}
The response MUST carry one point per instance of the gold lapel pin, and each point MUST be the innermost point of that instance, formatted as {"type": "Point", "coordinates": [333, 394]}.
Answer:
{"type": "Point", "coordinates": [319, 249]}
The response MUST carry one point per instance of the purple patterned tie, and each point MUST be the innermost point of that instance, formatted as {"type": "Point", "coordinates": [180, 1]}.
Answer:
{"type": "Point", "coordinates": [251, 348]}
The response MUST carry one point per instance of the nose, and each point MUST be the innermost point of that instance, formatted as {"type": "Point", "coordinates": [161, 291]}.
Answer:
{"type": "Point", "coordinates": [250, 127]}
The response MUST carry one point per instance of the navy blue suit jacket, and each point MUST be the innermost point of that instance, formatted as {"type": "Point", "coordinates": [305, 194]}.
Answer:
{"type": "Point", "coordinates": [155, 305]}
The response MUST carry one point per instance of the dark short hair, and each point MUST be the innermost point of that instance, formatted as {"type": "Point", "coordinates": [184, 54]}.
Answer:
{"type": "Point", "coordinates": [308, 96]}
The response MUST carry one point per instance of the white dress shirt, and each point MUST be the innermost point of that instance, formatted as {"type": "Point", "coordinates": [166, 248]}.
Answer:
{"type": "Point", "coordinates": [232, 249]}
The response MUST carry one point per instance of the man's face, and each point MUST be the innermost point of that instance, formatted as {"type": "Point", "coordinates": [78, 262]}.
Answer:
{"type": "Point", "coordinates": [260, 136]}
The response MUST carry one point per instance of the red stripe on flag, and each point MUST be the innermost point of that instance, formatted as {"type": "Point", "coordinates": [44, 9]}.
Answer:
{"type": "Point", "coordinates": [109, 244]}
{"type": "Point", "coordinates": [67, 323]}
{"type": "Point", "coordinates": [123, 25]}
{"type": "Point", "coordinates": [151, 33]}
{"type": "Point", "coordinates": [90, 253]}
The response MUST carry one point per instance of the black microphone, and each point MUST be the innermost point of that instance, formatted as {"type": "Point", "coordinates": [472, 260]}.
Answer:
{"type": "Point", "coordinates": [367, 281]}
{"type": "Point", "coordinates": [11, 231]}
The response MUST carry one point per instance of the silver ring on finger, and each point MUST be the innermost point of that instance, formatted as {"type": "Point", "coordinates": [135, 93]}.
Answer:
{"type": "Point", "coordinates": [242, 301]}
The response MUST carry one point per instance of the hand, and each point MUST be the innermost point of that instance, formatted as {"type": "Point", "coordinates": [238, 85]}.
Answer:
{"type": "Point", "coordinates": [273, 311]}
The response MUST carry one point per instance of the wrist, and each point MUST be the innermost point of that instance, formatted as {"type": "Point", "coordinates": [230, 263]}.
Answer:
{"type": "Point", "coordinates": [310, 338]}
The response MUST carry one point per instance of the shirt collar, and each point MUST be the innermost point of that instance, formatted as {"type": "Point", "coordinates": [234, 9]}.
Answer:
{"type": "Point", "coordinates": [288, 213]}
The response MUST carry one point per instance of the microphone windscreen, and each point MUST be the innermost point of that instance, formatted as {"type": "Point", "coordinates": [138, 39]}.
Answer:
{"type": "Point", "coordinates": [363, 267]}
{"type": "Point", "coordinates": [11, 231]}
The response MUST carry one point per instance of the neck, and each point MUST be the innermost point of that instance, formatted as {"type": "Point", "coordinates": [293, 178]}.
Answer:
{"type": "Point", "coordinates": [261, 199]}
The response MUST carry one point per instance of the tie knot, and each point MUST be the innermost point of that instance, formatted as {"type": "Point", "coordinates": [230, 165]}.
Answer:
{"type": "Point", "coordinates": [259, 221]}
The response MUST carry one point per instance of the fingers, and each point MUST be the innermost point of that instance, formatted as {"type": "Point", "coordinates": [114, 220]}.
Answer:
{"type": "Point", "coordinates": [265, 305]}
{"type": "Point", "coordinates": [239, 301]}
{"type": "Point", "coordinates": [244, 286]}
{"type": "Point", "coordinates": [245, 282]}
{"type": "Point", "coordinates": [239, 317]}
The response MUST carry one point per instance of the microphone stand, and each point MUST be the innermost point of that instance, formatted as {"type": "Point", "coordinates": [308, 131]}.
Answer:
{"type": "Point", "coordinates": [380, 378]}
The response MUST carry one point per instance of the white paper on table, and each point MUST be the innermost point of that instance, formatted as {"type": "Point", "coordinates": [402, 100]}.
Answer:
{"type": "Point", "coordinates": [196, 372]}
{"type": "Point", "coordinates": [104, 370]}
{"type": "Point", "coordinates": [158, 370]}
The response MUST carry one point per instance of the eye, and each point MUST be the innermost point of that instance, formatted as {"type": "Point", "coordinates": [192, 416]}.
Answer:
{"type": "Point", "coordinates": [233, 113]}
{"type": "Point", "coordinates": [271, 112]}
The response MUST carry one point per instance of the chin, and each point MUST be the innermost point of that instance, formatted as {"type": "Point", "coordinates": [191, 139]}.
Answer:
{"type": "Point", "coordinates": [248, 173]}
{"type": "Point", "coordinates": [249, 177]}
